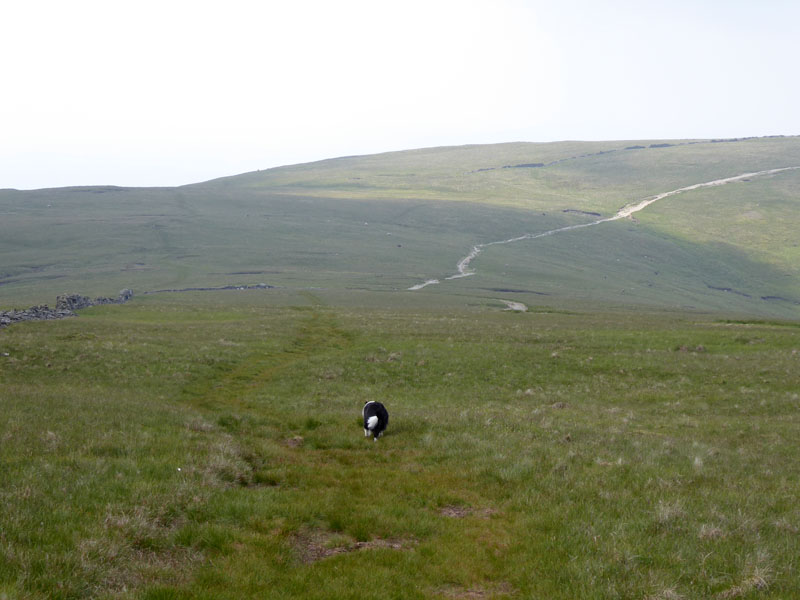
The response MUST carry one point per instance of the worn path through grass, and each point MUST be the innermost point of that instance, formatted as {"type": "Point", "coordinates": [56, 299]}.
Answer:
{"type": "Point", "coordinates": [166, 450]}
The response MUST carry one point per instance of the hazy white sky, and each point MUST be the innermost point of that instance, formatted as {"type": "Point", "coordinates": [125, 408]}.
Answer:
{"type": "Point", "coordinates": [168, 92]}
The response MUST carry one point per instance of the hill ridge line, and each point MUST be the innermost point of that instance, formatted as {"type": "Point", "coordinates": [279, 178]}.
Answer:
{"type": "Point", "coordinates": [626, 211]}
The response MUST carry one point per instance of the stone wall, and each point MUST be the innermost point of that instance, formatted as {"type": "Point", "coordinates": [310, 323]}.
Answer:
{"type": "Point", "coordinates": [66, 305]}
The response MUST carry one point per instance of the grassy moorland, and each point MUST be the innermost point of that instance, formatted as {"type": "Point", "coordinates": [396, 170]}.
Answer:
{"type": "Point", "coordinates": [632, 436]}
{"type": "Point", "coordinates": [209, 446]}
{"type": "Point", "coordinates": [390, 221]}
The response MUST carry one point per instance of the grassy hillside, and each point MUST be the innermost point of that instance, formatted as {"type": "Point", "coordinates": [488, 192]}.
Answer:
{"type": "Point", "coordinates": [631, 436]}
{"type": "Point", "coordinates": [209, 446]}
{"type": "Point", "coordinates": [596, 175]}
{"type": "Point", "coordinates": [390, 221]}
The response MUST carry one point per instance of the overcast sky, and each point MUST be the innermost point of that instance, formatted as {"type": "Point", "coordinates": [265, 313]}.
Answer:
{"type": "Point", "coordinates": [169, 92]}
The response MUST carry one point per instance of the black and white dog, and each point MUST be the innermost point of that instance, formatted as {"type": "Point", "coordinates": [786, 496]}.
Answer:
{"type": "Point", "coordinates": [376, 418]}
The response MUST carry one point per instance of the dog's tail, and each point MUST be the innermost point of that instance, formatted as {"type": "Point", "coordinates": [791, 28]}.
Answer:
{"type": "Point", "coordinates": [372, 422]}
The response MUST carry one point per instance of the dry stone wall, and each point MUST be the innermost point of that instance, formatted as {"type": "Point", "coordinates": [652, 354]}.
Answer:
{"type": "Point", "coordinates": [66, 305]}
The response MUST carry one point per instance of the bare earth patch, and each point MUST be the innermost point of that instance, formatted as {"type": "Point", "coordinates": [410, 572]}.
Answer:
{"type": "Point", "coordinates": [314, 545]}
{"type": "Point", "coordinates": [295, 442]}
{"type": "Point", "coordinates": [459, 512]}
{"type": "Point", "coordinates": [500, 590]}
{"type": "Point", "coordinates": [514, 306]}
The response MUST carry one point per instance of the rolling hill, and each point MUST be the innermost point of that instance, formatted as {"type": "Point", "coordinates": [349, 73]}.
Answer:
{"type": "Point", "coordinates": [390, 222]}
{"type": "Point", "coordinates": [632, 436]}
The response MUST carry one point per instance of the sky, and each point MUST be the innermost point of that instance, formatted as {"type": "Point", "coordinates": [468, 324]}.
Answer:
{"type": "Point", "coordinates": [171, 92]}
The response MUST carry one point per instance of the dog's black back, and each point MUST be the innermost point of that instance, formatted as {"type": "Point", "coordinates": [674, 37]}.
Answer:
{"type": "Point", "coordinates": [376, 419]}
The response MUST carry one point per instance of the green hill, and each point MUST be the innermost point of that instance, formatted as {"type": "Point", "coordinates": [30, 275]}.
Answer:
{"type": "Point", "coordinates": [390, 221]}
{"type": "Point", "coordinates": [613, 442]}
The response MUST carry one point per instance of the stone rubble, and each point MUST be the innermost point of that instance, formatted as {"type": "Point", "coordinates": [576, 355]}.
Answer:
{"type": "Point", "coordinates": [66, 305]}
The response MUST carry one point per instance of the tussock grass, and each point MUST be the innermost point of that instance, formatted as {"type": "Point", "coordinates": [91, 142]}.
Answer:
{"type": "Point", "coordinates": [174, 450]}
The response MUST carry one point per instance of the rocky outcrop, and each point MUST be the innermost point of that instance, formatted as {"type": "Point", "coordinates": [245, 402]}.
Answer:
{"type": "Point", "coordinates": [66, 305]}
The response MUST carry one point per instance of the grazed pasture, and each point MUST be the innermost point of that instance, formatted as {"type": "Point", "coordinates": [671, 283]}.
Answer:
{"type": "Point", "coordinates": [210, 446]}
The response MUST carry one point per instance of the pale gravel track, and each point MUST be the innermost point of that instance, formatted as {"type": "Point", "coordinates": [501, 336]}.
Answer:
{"type": "Point", "coordinates": [623, 213]}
